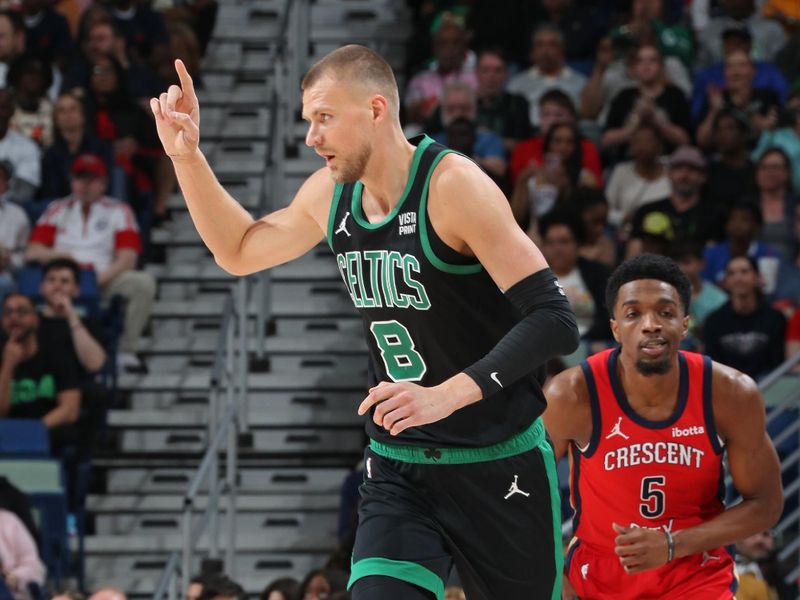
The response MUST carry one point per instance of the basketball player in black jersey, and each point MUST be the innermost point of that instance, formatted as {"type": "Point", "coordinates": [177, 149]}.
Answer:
{"type": "Point", "coordinates": [460, 312]}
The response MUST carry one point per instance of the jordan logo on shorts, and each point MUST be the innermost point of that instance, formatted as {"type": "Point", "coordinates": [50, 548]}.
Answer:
{"type": "Point", "coordinates": [343, 225]}
{"type": "Point", "coordinates": [617, 431]}
{"type": "Point", "coordinates": [707, 558]}
{"type": "Point", "coordinates": [514, 489]}
{"type": "Point", "coordinates": [369, 468]}
{"type": "Point", "coordinates": [585, 570]}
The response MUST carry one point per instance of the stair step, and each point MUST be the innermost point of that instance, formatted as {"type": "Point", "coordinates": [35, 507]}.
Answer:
{"type": "Point", "coordinates": [294, 441]}
{"type": "Point", "coordinates": [260, 401]}
{"type": "Point", "coordinates": [277, 539]}
{"type": "Point", "coordinates": [197, 418]}
{"type": "Point", "coordinates": [173, 503]}
{"type": "Point", "coordinates": [258, 481]}
{"type": "Point", "coordinates": [196, 382]}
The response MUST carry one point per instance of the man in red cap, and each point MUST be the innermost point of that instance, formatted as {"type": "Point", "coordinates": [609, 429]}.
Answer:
{"type": "Point", "coordinates": [100, 233]}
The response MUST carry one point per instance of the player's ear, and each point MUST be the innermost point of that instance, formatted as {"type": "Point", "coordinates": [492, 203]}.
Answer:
{"type": "Point", "coordinates": [614, 329]}
{"type": "Point", "coordinates": [380, 107]}
{"type": "Point", "coordinates": [685, 326]}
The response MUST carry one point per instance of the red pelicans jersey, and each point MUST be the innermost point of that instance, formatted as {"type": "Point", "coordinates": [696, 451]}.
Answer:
{"type": "Point", "coordinates": [640, 473]}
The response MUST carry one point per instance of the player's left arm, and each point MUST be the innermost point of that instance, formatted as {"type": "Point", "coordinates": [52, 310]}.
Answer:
{"type": "Point", "coordinates": [740, 420]}
{"type": "Point", "coordinates": [471, 214]}
{"type": "Point", "coordinates": [753, 462]}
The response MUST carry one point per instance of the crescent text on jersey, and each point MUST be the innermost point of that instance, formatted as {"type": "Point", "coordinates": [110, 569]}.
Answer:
{"type": "Point", "coordinates": [382, 278]}
{"type": "Point", "coordinates": [647, 453]}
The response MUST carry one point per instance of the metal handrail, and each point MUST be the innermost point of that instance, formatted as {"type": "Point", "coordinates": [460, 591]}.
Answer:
{"type": "Point", "coordinates": [790, 521]}
{"type": "Point", "coordinates": [230, 367]}
{"type": "Point", "coordinates": [180, 560]}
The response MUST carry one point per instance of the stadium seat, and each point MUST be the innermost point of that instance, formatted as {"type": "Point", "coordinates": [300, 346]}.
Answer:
{"type": "Point", "coordinates": [42, 481]}
{"type": "Point", "coordinates": [23, 438]}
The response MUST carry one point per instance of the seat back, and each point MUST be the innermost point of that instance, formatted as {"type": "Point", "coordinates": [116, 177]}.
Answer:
{"type": "Point", "coordinates": [42, 481]}
{"type": "Point", "coordinates": [23, 438]}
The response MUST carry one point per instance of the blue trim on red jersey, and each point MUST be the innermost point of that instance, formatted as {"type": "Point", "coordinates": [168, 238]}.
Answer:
{"type": "Point", "coordinates": [594, 403]}
{"type": "Point", "coordinates": [570, 552]}
{"type": "Point", "coordinates": [576, 491]}
{"type": "Point", "coordinates": [708, 406]}
{"type": "Point", "coordinates": [622, 399]}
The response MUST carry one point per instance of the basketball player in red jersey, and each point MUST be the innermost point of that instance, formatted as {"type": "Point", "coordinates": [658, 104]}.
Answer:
{"type": "Point", "coordinates": [646, 426]}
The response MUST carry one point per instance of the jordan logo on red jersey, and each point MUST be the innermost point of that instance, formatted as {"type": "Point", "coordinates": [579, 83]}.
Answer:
{"type": "Point", "coordinates": [617, 431]}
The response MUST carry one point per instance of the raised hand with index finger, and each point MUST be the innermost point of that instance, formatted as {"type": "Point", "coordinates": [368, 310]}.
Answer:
{"type": "Point", "coordinates": [177, 114]}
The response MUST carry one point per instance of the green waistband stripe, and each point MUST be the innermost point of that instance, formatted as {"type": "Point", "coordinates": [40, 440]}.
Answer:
{"type": "Point", "coordinates": [517, 444]}
{"type": "Point", "coordinates": [555, 506]}
{"type": "Point", "coordinates": [398, 569]}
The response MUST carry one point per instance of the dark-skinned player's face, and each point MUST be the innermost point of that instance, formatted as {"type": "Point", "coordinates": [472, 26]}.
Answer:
{"type": "Point", "coordinates": [649, 321]}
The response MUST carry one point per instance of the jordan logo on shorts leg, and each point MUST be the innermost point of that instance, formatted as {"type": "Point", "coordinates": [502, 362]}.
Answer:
{"type": "Point", "coordinates": [514, 489]}
{"type": "Point", "coordinates": [708, 558]}
{"type": "Point", "coordinates": [617, 431]}
{"type": "Point", "coordinates": [343, 225]}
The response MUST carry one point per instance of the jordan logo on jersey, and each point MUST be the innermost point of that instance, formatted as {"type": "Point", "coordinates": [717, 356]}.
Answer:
{"type": "Point", "coordinates": [408, 223]}
{"type": "Point", "coordinates": [343, 225]}
{"type": "Point", "coordinates": [616, 431]}
{"type": "Point", "coordinates": [514, 489]}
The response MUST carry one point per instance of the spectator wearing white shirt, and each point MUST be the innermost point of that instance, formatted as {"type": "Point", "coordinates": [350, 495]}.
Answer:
{"type": "Point", "coordinates": [20, 151]}
{"type": "Point", "coordinates": [549, 71]}
{"type": "Point", "coordinates": [14, 230]}
{"type": "Point", "coordinates": [19, 560]}
{"type": "Point", "coordinates": [768, 35]}
{"type": "Point", "coordinates": [641, 180]}
{"type": "Point", "coordinates": [100, 232]}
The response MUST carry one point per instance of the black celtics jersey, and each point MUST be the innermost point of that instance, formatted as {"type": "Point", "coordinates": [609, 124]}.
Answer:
{"type": "Point", "coordinates": [429, 312]}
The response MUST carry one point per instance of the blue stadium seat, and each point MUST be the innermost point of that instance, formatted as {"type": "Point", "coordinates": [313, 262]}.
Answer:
{"type": "Point", "coordinates": [24, 438]}
{"type": "Point", "coordinates": [43, 482]}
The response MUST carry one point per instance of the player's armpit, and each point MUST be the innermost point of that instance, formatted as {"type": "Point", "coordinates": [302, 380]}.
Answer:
{"type": "Point", "coordinates": [471, 214]}
{"type": "Point", "coordinates": [568, 416]}
{"type": "Point", "coordinates": [286, 233]}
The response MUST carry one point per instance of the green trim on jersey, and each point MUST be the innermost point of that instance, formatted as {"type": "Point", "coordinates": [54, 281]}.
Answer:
{"type": "Point", "coordinates": [555, 505]}
{"type": "Point", "coordinates": [423, 230]}
{"type": "Point", "coordinates": [403, 570]}
{"type": "Point", "coordinates": [337, 192]}
{"type": "Point", "coordinates": [358, 212]}
{"type": "Point", "coordinates": [524, 441]}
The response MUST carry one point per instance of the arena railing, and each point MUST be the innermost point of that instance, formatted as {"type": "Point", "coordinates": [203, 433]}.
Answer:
{"type": "Point", "coordinates": [227, 391]}
{"type": "Point", "coordinates": [228, 379]}
{"type": "Point", "coordinates": [781, 391]}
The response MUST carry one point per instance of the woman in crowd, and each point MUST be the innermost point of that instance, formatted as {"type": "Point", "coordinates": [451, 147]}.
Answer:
{"type": "Point", "coordinates": [71, 138]}
{"type": "Point", "coordinates": [539, 187]}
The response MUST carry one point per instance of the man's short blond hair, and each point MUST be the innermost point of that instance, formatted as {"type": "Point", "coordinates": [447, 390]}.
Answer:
{"type": "Point", "coordinates": [357, 64]}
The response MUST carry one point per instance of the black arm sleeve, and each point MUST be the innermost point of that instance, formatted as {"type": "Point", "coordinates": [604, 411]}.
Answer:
{"type": "Point", "coordinates": [548, 329]}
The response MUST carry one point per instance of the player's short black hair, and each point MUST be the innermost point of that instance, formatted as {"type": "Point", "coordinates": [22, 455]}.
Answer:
{"type": "Point", "coordinates": [648, 266]}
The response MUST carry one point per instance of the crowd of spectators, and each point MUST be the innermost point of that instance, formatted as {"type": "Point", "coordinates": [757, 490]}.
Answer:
{"type": "Point", "coordinates": [83, 179]}
{"type": "Point", "coordinates": [616, 128]}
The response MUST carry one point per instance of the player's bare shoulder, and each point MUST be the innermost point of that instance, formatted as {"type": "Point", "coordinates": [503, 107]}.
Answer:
{"type": "Point", "coordinates": [568, 415]}
{"type": "Point", "coordinates": [315, 195]}
{"type": "Point", "coordinates": [456, 176]}
{"type": "Point", "coordinates": [735, 399]}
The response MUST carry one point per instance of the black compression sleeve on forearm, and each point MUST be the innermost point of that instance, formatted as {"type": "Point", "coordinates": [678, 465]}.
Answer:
{"type": "Point", "coordinates": [548, 329]}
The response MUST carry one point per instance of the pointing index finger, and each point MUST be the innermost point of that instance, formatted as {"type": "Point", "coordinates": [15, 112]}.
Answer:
{"type": "Point", "coordinates": [187, 85]}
